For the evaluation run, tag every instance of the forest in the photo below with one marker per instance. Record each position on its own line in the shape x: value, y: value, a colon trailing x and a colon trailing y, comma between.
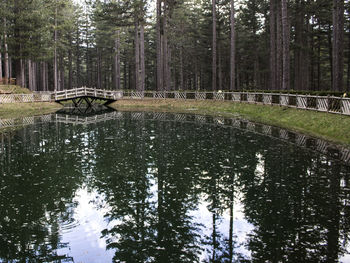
x: 301, y: 45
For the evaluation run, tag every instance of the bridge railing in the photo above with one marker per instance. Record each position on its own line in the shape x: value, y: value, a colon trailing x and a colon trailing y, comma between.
x: 330, y: 104
x: 84, y: 91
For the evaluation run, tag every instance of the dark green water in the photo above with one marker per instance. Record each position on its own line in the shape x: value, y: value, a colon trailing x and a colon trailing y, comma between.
x: 168, y: 191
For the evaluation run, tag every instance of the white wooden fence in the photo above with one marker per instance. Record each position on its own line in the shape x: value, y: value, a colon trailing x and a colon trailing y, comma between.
x: 330, y: 104
x: 25, y: 98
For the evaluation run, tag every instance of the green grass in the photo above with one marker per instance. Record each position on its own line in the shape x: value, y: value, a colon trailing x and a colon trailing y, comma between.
x: 13, y: 89
x: 331, y: 127
x: 18, y: 110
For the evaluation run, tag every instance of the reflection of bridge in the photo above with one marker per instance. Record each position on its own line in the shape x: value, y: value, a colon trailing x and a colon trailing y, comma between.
x: 301, y: 140
x: 87, y: 95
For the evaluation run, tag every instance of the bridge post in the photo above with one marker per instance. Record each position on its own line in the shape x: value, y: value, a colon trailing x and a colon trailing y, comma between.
x: 65, y: 92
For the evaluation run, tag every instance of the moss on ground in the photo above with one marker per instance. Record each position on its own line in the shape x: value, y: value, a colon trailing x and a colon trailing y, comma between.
x: 331, y: 127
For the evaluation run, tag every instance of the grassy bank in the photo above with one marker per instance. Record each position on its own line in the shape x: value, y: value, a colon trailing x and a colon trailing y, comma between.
x: 13, y: 89
x: 335, y: 128
x: 17, y: 110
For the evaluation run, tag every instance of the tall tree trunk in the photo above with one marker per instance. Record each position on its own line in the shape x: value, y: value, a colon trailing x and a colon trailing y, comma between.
x: 348, y: 76
x: 17, y: 46
x: 6, y: 58
x: 272, y: 45
x: 165, y: 49
x: 137, y: 55
x: 159, y: 47
x: 214, y: 46
x: 142, y: 56
x: 62, y: 76
x: 338, y: 44
x: 1, y: 80
x: 330, y: 52
x: 78, y: 67
x: 117, y: 61
x: 70, y: 63
x: 23, y: 73
x: 181, y: 69
x: 286, y: 42
x: 233, y: 47
x: 30, y: 75
x: 42, y: 76
x: 125, y: 80
x: 219, y: 66
x: 55, y: 80
x: 34, y: 68
x: 279, y: 48
x: 99, y: 77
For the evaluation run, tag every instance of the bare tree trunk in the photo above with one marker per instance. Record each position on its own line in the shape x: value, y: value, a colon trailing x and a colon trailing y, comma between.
x: 23, y: 74
x: 1, y: 80
x: 137, y: 56
x: 214, y: 46
x: 117, y: 62
x: 165, y: 50
x: 30, y: 75
x: 125, y: 75
x: 286, y: 41
x: 34, y: 69
x: 99, y: 84
x: 78, y: 68
x: 338, y: 44
x: 47, y: 76
x: 70, y: 64
x: 330, y: 52
x: 181, y: 69
x: 233, y: 47
x: 43, y: 81
x: 159, y: 47
x: 279, y: 51
x: 9, y: 69
x: 142, y: 56
x: 272, y: 45
x: 62, y: 77
x: 219, y: 67
x: 6, y: 55
x: 348, y: 76
x: 319, y: 61
x: 55, y: 53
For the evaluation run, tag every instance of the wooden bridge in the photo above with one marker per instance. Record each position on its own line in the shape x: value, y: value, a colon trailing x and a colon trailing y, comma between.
x: 88, y: 95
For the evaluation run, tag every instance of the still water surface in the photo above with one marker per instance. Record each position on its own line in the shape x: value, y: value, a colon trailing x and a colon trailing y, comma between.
x: 136, y: 190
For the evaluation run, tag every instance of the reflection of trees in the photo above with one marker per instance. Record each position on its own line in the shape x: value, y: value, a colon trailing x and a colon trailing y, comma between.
x: 295, y: 205
x: 35, y: 189
x: 150, y: 194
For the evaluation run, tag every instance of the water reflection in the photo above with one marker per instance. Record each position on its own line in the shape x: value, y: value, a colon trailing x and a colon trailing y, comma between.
x: 167, y: 191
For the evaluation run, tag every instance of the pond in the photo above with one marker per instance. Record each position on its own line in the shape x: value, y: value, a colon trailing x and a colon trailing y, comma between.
x: 155, y: 187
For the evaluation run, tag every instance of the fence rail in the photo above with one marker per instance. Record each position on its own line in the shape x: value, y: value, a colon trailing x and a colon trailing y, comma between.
x: 337, y: 105
x: 25, y: 98
x: 330, y: 104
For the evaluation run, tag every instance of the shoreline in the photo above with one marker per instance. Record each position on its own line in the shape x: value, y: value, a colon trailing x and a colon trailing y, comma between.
x: 330, y: 127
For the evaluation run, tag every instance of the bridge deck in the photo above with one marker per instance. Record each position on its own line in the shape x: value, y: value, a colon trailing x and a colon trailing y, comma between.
x: 84, y: 93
